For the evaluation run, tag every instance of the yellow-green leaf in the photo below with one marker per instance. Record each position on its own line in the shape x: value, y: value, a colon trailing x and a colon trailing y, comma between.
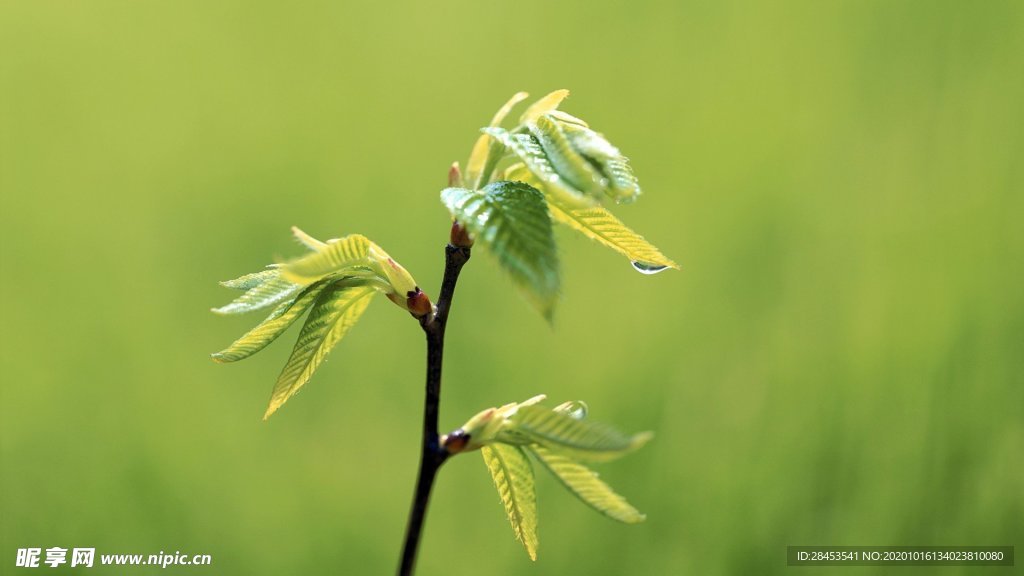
x: 250, y: 281
x: 268, y: 288
x: 273, y: 326
x: 336, y: 310
x: 565, y: 117
x: 546, y: 104
x: 307, y: 240
x: 530, y: 152
x: 620, y: 183
x: 586, y: 141
x: 512, y: 220
x: 602, y: 226
x: 578, y: 439
x: 398, y: 278
x: 487, y: 150
x: 570, y: 164
x: 585, y: 484
x: 349, y: 255
x: 513, y: 478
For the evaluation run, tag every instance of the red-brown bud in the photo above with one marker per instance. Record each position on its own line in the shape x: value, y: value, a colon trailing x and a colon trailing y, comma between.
x: 418, y: 303
x: 455, y: 442
x: 460, y: 237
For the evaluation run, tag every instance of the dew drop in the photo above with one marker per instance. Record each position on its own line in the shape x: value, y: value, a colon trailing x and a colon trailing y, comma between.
x: 576, y: 409
x: 644, y: 268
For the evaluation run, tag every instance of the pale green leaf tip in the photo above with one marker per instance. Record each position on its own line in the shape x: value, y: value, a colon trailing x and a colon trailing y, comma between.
x: 641, y: 438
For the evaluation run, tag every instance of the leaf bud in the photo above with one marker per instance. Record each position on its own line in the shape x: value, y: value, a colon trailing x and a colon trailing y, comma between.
x: 454, y: 175
x: 455, y: 442
x: 460, y: 237
x: 418, y: 303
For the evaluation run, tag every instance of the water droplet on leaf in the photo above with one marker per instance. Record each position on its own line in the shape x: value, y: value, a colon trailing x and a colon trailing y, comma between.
x: 645, y: 268
x: 576, y: 409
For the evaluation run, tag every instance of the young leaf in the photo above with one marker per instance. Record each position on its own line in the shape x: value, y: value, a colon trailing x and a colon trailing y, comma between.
x: 513, y: 477
x: 267, y: 331
x: 532, y: 154
x: 399, y: 280
x: 250, y: 281
x: 620, y: 183
x: 569, y: 163
x: 546, y: 104
x: 579, y: 439
x: 512, y: 220
x: 623, y: 186
x: 336, y: 310
x: 269, y: 291
x: 307, y: 240
x: 354, y: 257
x: 488, y: 151
x: 585, y: 484
x: 566, y: 118
x: 586, y: 141
x: 600, y: 225
x: 349, y: 254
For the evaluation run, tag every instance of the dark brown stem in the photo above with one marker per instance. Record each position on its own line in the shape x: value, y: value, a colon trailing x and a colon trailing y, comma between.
x: 432, y: 455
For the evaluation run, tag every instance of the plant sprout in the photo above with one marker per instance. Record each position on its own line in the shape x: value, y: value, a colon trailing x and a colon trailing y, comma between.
x: 551, y: 167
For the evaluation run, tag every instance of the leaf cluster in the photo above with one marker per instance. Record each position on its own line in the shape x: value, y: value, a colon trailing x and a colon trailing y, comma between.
x: 561, y: 440
x: 334, y: 282
x: 551, y: 167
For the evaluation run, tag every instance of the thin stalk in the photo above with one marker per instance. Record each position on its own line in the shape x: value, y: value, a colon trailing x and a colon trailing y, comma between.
x: 432, y: 455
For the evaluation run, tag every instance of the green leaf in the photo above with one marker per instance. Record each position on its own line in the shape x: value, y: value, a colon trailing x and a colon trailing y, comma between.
x: 349, y: 254
x: 353, y: 257
x: 620, y: 183
x: 494, y: 153
x: 270, y: 289
x: 585, y: 484
x: 335, y: 311
x: 250, y: 281
x: 307, y: 240
x: 399, y: 281
x: 602, y: 226
x: 546, y: 104
x: 267, y: 331
x: 529, y: 150
x: 623, y: 185
x: 488, y: 151
x: 566, y: 118
x: 567, y: 162
x: 586, y: 141
x: 578, y: 439
x: 513, y: 477
x: 512, y: 220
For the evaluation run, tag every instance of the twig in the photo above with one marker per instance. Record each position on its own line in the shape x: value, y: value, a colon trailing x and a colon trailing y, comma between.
x: 432, y: 455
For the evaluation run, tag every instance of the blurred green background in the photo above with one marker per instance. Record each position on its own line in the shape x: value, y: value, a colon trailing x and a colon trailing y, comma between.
x: 839, y: 361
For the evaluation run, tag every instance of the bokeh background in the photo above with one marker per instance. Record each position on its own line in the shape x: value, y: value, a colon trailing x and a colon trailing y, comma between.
x: 839, y: 361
